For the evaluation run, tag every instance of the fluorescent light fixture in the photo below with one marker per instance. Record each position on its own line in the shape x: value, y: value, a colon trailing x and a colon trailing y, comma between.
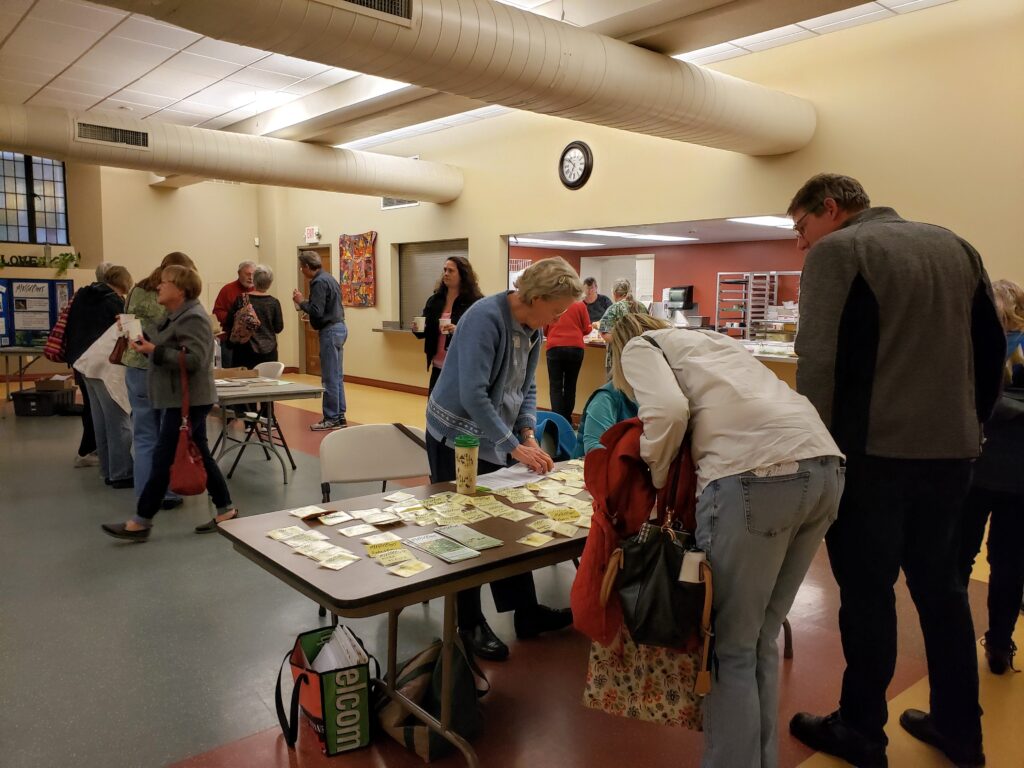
x: 632, y: 235
x: 782, y: 222
x: 559, y: 243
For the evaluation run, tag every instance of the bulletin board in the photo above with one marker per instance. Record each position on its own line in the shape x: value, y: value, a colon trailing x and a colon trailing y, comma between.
x: 30, y: 308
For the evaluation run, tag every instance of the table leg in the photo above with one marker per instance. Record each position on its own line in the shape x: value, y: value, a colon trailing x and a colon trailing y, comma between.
x: 438, y: 726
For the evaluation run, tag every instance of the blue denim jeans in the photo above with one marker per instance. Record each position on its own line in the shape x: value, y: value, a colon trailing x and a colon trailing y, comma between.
x: 332, y: 359
x: 145, y: 427
x: 760, y: 535
x: 113, y: 432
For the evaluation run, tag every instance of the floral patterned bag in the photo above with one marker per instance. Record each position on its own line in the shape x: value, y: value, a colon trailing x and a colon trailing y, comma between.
x: 644, y: 682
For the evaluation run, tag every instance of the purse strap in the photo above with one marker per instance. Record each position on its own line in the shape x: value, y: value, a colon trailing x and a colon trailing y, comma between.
x: 702, y: 687
x: 184, y: 389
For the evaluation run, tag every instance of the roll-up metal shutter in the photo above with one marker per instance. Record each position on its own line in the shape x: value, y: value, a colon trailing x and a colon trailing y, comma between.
x: 419, y: 269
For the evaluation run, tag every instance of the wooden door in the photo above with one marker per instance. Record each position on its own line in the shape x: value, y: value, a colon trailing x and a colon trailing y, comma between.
x: 310, y: 339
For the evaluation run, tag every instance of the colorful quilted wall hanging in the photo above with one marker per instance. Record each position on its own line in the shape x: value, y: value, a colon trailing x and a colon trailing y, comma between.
x: 358, y: 274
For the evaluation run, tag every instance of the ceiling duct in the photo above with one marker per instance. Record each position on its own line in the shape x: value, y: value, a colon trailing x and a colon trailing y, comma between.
x: 499, y: 54
x: 175, y: 149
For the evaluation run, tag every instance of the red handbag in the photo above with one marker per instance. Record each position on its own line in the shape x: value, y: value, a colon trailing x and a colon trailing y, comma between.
x: 188, y: 475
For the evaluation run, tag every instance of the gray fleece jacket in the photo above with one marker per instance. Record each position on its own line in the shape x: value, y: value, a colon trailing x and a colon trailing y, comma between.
x: 187, y: 327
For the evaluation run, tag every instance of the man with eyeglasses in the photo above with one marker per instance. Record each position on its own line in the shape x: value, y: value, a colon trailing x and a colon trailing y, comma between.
x: 900, y: 350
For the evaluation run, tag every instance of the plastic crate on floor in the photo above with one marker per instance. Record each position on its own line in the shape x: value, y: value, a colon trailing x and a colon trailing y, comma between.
x: 32, y: 402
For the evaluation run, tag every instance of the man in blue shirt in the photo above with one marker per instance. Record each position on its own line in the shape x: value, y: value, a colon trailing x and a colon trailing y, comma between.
x: 327, y: 316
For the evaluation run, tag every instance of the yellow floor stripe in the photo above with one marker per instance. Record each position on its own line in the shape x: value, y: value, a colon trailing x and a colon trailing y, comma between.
x: 1002, y: 699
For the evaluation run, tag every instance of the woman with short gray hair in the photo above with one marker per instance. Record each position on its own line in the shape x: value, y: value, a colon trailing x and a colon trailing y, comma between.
x: 261, y: 344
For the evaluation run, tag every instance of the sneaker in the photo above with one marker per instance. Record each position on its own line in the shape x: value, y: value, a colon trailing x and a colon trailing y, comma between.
x: 328, y: 424
x: 89, y: 460
x: 921, y: 726
x: 341, y: 421
x: 832, y: 735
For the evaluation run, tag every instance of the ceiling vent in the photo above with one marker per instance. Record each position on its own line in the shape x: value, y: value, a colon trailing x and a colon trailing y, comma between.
x: 399, y: 11
x: 396, y: 202
x: 104, y: 134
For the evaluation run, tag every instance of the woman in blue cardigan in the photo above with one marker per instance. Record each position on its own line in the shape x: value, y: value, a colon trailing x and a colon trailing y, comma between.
x: 487, y: 389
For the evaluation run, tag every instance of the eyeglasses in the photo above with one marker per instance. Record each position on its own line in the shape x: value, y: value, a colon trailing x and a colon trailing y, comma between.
x: 798, y: 225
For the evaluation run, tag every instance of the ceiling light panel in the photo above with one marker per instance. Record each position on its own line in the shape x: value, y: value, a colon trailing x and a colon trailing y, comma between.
x: 903, y: 6
x: 633, y: 235
x: 781, y: 222
x: 712, y: 53
x: 555, y: 243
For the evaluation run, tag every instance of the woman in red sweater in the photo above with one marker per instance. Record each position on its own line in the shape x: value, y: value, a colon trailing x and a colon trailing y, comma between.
x: 565, y: 357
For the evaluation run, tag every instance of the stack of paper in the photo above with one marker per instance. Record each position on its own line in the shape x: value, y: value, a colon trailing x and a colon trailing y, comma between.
x: 340, y: 652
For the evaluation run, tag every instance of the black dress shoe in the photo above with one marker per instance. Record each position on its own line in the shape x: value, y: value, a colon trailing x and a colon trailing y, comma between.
x: 530, y: 622
x: 831, y: 735
x: 920, y: 725
x: 483, y: 643
x: 172, y: 503
x: 119, y: 531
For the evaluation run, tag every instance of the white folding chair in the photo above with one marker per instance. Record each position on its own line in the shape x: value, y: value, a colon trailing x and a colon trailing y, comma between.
x: 372, y: 452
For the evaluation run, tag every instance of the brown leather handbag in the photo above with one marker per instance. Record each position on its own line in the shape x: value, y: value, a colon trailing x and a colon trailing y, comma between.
x: 188, y: 475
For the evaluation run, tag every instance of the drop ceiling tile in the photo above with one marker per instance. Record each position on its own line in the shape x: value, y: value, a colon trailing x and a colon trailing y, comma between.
x: 218, y: 49
x: 83, y: 15
x: 775, y: 42
x: 29, y: 68
x: 173, y: 83
x: 269, y: 80
x: 61, y: 42
x: 129, y: 58
x: 14, y: 92
x: 228, y: 95
x: 316, y: 83
x: 859, y: 14
x: 156, y: 33
x: 112, y: 79
x: 8, y: 21
x: 68, y: 82
x: 177, y: 117
x: 131, y: 107
x: 218, y: 122
x: 197, y: 108
x: 133, y: 96
x: 202, y: 65
x: 54, y: 97
x: 771, y: 34
x: 903, y: 6
x: 286, y: 65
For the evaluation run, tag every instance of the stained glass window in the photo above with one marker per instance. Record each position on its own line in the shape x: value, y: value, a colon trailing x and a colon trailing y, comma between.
x: 39, y: 217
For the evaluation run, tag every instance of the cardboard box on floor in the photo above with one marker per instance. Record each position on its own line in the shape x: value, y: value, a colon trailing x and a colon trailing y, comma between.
x: 57, y: 383
x: 234, y: 373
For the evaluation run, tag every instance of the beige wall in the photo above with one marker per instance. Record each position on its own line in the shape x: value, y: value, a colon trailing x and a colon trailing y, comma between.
x: 926, y: 109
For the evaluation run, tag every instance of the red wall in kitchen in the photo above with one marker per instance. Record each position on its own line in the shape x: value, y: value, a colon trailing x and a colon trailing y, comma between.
x: 697, y: 264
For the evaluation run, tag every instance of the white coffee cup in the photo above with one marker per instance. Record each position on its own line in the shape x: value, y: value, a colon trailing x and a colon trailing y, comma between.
x: 446, y: 326
x: 419, y: 323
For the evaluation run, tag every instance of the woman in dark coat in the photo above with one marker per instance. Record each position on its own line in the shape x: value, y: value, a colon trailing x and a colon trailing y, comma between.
x: 456, y: 293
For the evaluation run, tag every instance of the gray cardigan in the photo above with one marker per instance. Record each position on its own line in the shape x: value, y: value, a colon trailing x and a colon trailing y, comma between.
x: 900, y: 348
x: 187, y: 327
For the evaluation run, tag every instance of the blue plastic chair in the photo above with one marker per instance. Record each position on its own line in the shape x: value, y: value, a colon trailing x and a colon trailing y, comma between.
x: 555, y: 435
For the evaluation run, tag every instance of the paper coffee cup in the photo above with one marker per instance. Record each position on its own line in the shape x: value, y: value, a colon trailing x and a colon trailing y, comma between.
x: 467, y: 449
x: 419, y: 323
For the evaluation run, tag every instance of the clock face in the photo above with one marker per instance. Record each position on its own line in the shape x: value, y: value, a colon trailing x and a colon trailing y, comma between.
x: 575, y: 165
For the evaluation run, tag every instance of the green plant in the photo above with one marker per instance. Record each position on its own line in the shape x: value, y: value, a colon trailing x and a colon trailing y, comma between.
x: 65, y: 261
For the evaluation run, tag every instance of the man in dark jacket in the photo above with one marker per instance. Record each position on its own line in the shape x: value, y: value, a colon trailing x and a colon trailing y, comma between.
x: 327, y: 317
x: 94, y: 309
x: 901, y: 352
